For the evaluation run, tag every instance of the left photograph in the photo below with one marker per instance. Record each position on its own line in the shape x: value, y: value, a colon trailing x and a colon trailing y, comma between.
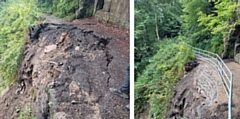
x: 66, y: 59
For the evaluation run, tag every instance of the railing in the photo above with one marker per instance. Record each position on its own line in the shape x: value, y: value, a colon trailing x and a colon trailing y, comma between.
x: 221, y: 68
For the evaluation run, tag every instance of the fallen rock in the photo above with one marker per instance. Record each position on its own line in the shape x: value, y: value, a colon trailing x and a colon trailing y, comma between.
x: 190, y: 65
x: 74, y: 102
x: 50, y: 48
x: 77, y: 48
x: 73, y: 87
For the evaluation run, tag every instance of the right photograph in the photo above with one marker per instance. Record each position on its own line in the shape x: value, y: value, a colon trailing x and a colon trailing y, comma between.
x: 186, y: 59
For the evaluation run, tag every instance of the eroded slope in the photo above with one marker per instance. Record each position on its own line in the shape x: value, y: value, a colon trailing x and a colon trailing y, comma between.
x: 67, y: 71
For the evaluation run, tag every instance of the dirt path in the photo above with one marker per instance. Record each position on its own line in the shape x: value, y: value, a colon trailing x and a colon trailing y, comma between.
x: 68, y: 71
x: 235, y: 68
x: 221, y: 110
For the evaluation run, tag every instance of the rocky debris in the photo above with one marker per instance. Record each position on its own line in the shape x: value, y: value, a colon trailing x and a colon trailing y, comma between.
x: 195, y: 94
x: 73, y: 73
x: 72, y: 76
x: 190, y: 65
x: 50, y: 48
x: 73, y: 88
x: 34, y: 31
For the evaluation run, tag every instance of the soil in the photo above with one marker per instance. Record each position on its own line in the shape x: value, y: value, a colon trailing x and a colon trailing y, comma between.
x: 200, y: 94
x: 235, y: 69
x: 67, y: 71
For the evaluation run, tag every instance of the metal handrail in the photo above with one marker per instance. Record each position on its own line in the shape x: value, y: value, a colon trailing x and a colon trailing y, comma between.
x: 221, y: 68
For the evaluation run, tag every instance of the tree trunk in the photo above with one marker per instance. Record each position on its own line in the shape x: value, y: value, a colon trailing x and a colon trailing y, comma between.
x: 156, y: 27
x: 95, y: 6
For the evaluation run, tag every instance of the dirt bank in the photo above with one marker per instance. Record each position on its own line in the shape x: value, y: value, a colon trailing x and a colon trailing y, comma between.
x: 68, y: 70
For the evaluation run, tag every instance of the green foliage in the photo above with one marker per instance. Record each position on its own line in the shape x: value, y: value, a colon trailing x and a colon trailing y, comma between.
x: 221, y: 22
x: 207, y: 23
x: 153, y: 21
x: 15, y: 17
x: 60, y: 8
x: 201, y: 23
x: 190, y: 25
x: 89, y: 12
x: 26, y: 113
x: 156, y: 84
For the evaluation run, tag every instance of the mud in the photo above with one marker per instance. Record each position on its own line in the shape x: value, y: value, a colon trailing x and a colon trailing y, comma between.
x: 67, y: 71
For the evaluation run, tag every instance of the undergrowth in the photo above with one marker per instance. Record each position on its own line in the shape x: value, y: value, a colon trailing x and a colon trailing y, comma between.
x: 154, y: 87
x: 15, y: 18
x: 26, y: 113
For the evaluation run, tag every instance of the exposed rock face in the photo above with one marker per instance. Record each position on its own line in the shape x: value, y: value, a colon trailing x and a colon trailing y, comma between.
x: 85, y: 8
x: 195, y: 94
x: 232, y: 45
x: 115, y: 11
x: 111, y: 11
x: 237, y: 57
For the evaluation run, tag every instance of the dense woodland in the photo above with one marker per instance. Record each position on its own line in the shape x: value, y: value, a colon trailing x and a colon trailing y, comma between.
x: 162, y: 28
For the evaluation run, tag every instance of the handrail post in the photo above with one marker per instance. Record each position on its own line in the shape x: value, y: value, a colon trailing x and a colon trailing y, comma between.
x: 230, y: 99
x: 221, y: 64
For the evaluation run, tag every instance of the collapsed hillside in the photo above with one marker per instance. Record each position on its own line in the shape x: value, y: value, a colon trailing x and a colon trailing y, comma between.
x: 66, y: 72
